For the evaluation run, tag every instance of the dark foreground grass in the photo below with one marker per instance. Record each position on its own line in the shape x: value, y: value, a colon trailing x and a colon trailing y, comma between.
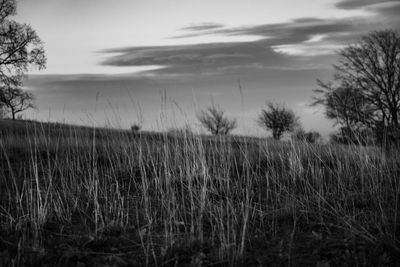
x: 75, y: 196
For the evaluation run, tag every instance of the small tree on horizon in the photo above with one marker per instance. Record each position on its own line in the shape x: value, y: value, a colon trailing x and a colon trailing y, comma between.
x: 135, y: 128
x: 278, y: 119
x: 16, y: 100
x: 214, y: 121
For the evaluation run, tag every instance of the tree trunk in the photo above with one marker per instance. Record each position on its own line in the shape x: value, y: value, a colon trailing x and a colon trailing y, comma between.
x: 13, y: 114
x: 277, y: 135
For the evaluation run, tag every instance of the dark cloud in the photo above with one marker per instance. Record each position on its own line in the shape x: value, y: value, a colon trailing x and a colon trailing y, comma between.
x: 202, y: 27
x: 301, y: 43
x: 197, y: 29
x: 388, y: 15
x: 296, y: 31
x: 386, y: 11
x: 356, y: 4
x: 217, y: 58
x: 201, y: 58
x: 299, y: 27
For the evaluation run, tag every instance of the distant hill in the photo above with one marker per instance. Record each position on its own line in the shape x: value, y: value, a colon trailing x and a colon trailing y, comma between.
x: 8, y: 126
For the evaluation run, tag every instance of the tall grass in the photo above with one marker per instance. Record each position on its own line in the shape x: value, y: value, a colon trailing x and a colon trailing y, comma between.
x: 185, y: 199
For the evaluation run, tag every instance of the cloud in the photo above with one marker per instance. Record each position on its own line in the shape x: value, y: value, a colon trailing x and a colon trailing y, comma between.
x: 197, y: 30
x: 281, y: 46
x: 307, y: 49
x: 301, y: 43
x: 204, y: 59
x: 296, y: 31
x: 386, y: 12
x: 357, y: 4
x: 202, y: 27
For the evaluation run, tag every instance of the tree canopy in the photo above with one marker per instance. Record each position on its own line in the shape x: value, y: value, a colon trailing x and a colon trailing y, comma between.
x: 20, y: 46
x: 278, y: 119
x: 214, y: 121
x: 365, y: 90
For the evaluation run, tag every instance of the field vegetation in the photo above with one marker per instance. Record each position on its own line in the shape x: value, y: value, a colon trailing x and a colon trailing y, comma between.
x: 81, y: 196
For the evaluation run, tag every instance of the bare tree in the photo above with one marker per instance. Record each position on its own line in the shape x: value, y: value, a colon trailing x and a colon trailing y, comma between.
x: 348, y: 107
x: 16, y: 100
x: 369, y: 72
x: 278, y: 119
x: 344, y: 104
x: 215, y: 121
x: 20, y: 46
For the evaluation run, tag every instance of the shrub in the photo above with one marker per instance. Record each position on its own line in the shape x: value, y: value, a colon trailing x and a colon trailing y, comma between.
x: 214, y: 121
x: 136, y: 128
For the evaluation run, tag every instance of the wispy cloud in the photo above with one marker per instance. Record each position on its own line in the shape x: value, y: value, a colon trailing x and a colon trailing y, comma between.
x: 281, y: 46
x: 199, y: 59
x: 202, y: 27
x: 299, y: 43
x: 385, y: 12
x: 356, y: 4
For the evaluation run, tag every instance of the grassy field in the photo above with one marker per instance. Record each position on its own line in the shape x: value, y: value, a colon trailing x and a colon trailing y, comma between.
x: 78, y: 196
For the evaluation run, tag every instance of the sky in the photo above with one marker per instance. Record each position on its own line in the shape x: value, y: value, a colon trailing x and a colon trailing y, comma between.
x: 159, y: 62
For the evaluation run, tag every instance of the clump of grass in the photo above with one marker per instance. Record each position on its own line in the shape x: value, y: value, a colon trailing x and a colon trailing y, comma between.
x: 71, y: 195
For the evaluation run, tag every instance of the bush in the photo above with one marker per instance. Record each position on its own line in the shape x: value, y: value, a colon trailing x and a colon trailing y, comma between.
x: 303, y: 136
x: 136, y: 128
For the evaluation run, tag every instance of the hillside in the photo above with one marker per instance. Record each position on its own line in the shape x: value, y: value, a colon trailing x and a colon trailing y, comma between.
x: 78, y: 196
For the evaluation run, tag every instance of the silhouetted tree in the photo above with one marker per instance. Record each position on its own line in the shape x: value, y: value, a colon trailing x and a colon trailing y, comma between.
x: 344, y: 104
x: 136, y: 128
x: 365, y: 91
x: 20, y: 46
x: 278, y: 119
x: 215, y: 121
x: 16, y: 100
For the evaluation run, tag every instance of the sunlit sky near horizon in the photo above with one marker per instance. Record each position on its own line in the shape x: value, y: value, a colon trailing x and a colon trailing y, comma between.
x: 113, y: 62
